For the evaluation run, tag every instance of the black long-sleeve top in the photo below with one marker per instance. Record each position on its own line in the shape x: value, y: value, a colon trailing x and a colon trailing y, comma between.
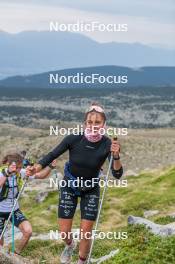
x: 86, y: 158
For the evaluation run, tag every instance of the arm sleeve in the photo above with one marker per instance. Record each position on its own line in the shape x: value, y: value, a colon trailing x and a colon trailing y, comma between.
x: 116, y: 173
x: 56, y: 152
x: 1, y: 176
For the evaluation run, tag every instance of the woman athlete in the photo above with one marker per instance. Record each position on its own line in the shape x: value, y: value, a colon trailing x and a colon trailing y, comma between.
x: 87, y: 153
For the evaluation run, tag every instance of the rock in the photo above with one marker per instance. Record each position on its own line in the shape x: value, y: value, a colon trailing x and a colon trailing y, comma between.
x: 161, y: 230
x: 130, y: 173
x: 4, y: 259
x: 106, y: 257
x: 172, y: 215
x: 8, y: 234
x: 42, y: 237
x: 150, y: 213
x: 41, y: 196
x: 10, y: 259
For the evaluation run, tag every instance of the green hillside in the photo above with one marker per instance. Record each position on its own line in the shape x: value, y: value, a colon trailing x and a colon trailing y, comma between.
x: 148, y: 191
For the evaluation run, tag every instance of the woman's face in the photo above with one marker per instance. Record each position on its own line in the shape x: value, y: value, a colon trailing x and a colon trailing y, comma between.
x: 94, y: 121
x: 15, y: 167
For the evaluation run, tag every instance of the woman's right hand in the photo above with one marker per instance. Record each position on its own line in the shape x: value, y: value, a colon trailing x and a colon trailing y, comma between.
x: 31, y: 170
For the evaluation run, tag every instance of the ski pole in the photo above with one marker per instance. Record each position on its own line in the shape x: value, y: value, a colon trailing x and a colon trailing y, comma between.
x: 15, y: 203
x: 101, y: 203
x: 13, y: 216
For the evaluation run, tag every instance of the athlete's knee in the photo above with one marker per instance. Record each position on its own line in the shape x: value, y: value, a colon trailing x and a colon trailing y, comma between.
x: 27, y: 230
x: 86, y: 232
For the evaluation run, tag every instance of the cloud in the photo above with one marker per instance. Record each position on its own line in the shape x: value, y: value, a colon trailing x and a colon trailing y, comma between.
x: 157, y: 9
x: 19, y: 16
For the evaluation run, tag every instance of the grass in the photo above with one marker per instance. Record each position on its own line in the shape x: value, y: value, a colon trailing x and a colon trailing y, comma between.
x: 141, y: 247
x: 148, y: 191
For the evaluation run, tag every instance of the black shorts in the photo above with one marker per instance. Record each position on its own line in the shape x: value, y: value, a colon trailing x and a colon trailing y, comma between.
x: 89, y: 201
x: 18, y: 219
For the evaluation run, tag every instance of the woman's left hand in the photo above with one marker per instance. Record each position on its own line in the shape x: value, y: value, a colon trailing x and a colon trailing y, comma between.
x: 115, y: 148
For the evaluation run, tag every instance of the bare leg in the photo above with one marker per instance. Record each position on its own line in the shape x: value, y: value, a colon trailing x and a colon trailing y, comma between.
x: 65, y: 226
x: 26, y: 229
x: 85, y: 243
x: 2, y: 242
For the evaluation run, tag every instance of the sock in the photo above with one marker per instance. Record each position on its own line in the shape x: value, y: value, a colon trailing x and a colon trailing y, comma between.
x: 70, y: 243
x: 81, y: 260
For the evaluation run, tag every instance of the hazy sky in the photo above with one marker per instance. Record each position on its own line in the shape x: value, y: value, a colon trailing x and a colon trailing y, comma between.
x: 149, y: 21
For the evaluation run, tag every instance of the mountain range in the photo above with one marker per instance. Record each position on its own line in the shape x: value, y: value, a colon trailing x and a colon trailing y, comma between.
x: 32, y: 52
x: 140, y: 77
